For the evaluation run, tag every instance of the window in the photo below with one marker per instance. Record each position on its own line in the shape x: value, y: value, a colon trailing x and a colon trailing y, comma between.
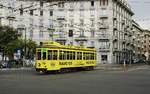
x: 61, y: 55
x: 44, y: 55
x: 81, y: 12
x: 92, y: 33
x: 31, y: 33
x: 61, y: 4
x: 84, y: 56
x: 54, y: 54
x: 79, y: 55
x: 81, y: 22
x: 21, y: 11
x: 71, y: 22
x: 73, y: 56
x: 104, y: 57
x: 49, y: 54
x: 51, y: 13
x: 67, y: 54
x: 92, y: 22
x: 70, y: 55
x: 38, y: 55
x: 104, y: 45
x: 92, y: 3
x: 41, y: 3
x: 70, y: 33
x: 41, y: 34
x: 104, y: 11
x: 31, y: 12
x: 41, y: 13
x: 103, y: 2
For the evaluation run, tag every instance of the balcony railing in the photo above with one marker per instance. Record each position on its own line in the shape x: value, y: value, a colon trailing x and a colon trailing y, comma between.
x: 104, y: 49
x: 103, y: 37
x: 81, y: 38
x: 115, y: 38
x: 104, y: 26
x: 61, y: 39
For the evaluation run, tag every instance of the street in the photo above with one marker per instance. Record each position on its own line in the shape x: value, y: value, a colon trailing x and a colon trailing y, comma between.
x: 84, y: 82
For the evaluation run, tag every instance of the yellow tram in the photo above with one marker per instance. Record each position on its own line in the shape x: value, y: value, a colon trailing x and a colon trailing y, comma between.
x: 52, y: 56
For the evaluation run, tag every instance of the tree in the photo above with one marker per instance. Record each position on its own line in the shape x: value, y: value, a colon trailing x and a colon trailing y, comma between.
x: 11, y: 48
x: 30, y: 49
x: 9, y: 40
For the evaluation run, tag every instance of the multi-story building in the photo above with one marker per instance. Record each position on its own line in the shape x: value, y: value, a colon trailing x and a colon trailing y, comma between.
x: 146, y: 44
x: 103, y: 24
x: 137, y: 39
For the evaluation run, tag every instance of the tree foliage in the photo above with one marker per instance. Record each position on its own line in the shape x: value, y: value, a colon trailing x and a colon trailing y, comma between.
x: 10, y: 42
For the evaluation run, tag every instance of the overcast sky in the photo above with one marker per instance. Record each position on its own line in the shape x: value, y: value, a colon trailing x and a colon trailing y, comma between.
x: 141, y: 8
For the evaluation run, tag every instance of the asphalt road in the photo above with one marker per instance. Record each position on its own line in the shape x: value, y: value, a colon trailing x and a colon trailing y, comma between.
x: 84, y: 82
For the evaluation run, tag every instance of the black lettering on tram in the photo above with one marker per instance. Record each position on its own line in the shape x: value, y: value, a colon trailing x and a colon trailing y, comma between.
x: 65, y: 63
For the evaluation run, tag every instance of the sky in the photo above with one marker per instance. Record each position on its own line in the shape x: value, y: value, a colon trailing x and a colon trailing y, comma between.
x: 141, y: 8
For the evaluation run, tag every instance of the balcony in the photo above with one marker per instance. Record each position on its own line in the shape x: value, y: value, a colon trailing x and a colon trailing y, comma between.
x: 116, y: 49
x: 123, y: 41
x: 123, y: 22
x: 103, y: 26
x: 61, y: 39
x: 104, y: 49
x: 103, y: 37
x: 115, y: 38
x: 103, y: 16
x: 115, y: 27
x: 114, y: 18
x: 81, y: 38
x: 61, y: 18
x: 10, y: 17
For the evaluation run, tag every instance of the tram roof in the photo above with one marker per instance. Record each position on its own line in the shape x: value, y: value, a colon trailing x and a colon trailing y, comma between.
x: 53, y: 44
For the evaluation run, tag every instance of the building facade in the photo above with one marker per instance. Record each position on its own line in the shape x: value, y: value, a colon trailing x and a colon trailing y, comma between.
x: 146, y: 44
x: 103, y: 24
x: 138, y: 41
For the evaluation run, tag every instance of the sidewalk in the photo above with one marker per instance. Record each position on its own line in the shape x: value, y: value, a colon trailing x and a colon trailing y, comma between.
x: 121, y: 67
x: 22, y: 68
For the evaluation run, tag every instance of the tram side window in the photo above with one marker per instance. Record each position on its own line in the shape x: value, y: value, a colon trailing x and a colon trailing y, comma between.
x: 67, y: 55
x: 74, y: 56
x: 84, y: 56
x: 92, y: 56
x: 80, y: 55
x: 38, y: 55
x: 44, y: 55
x: 61, y: 55
x: 49, y: 54
x: 54, y: 54
x: 70, y: 55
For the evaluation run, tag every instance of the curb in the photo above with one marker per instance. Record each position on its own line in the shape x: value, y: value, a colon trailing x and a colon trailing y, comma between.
x: 12, y: 69
x: 121, y: 68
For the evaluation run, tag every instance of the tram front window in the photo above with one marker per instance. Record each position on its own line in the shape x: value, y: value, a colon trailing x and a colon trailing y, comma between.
x: 38, y: 55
